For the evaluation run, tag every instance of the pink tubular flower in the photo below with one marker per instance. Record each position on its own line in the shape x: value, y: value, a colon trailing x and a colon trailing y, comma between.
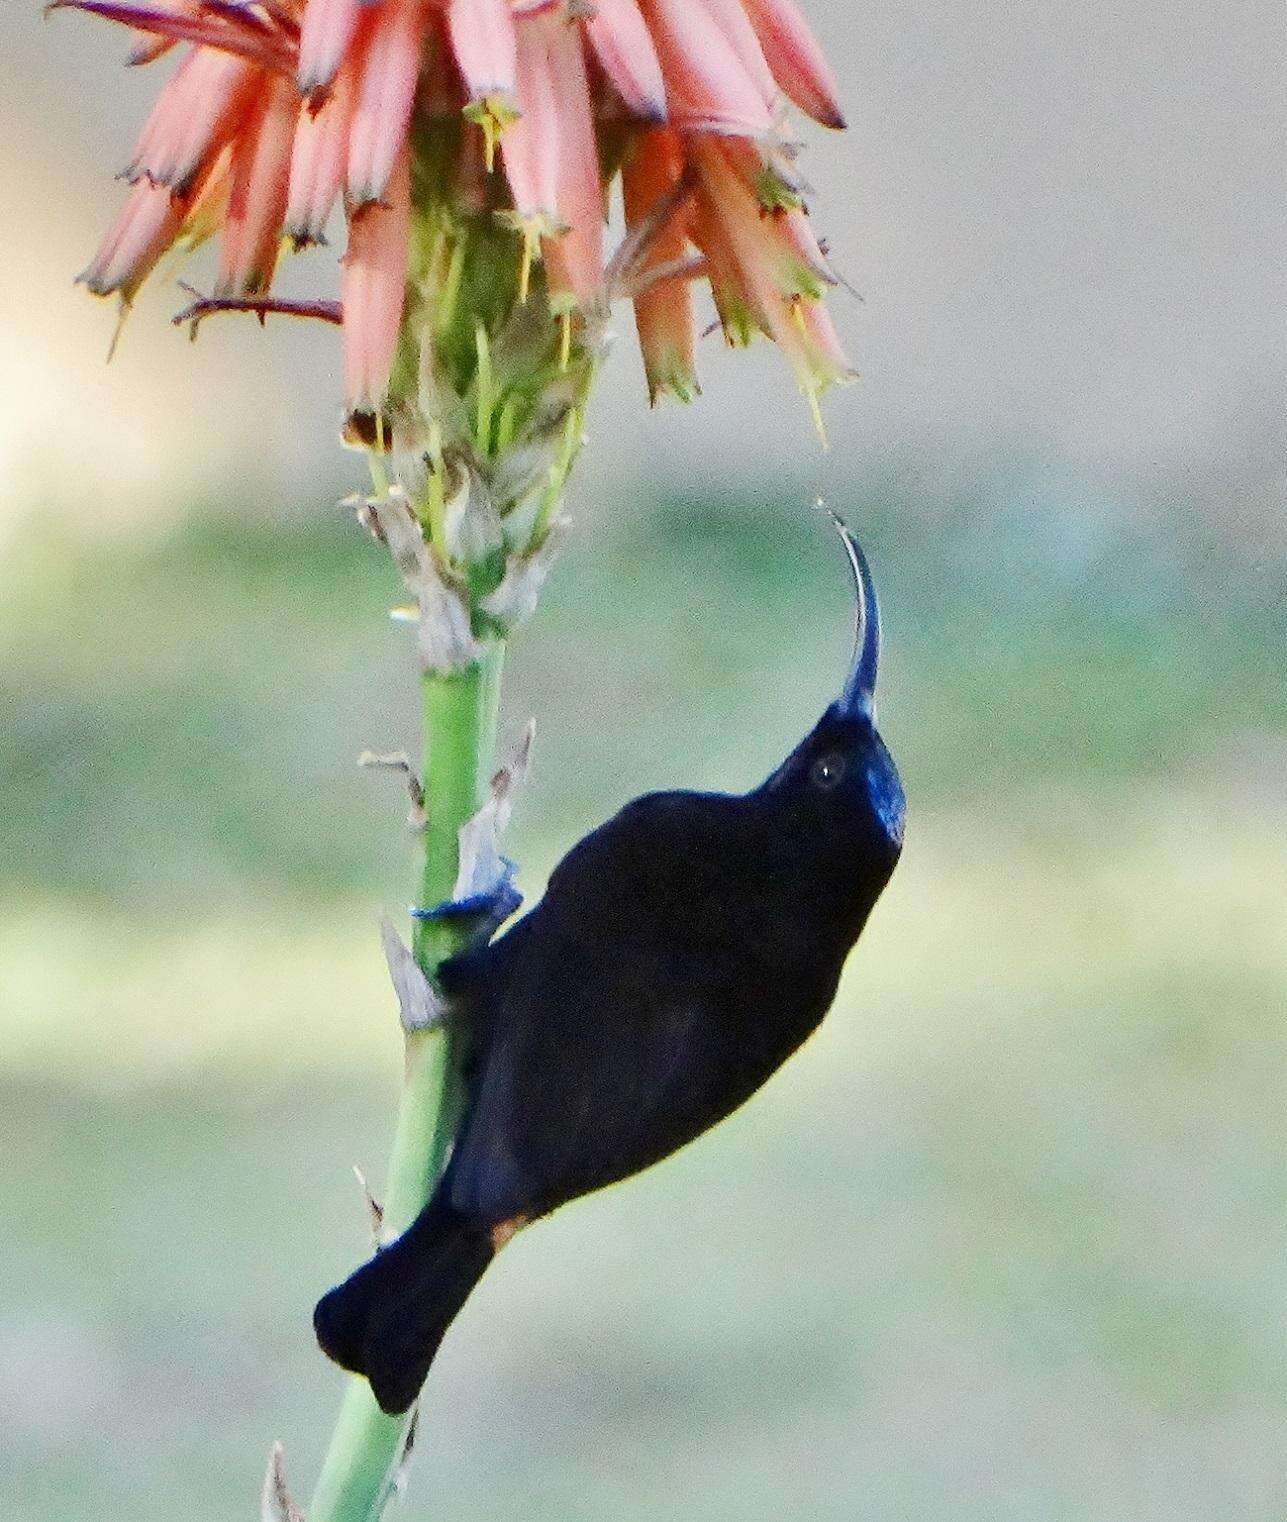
x: 386, y: 92
x: 319, y: 158
x: 201, y: 109
x: 279, y: 108
x: 325, y: 34
x: 625, y: 50
x: 261, y: 160
x: 663, y: 303
x: 482, y: 34
x: 374, y: 286
x: 147, y: 47
x: 148, y: 224
x: 795, y: 60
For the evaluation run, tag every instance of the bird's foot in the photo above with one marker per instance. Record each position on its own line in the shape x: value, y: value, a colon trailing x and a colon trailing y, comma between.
x: 484, y: 895
x: 479, y: 915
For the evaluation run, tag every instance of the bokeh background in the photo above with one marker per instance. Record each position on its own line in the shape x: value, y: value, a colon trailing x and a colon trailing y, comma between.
x: 1008, y: 1240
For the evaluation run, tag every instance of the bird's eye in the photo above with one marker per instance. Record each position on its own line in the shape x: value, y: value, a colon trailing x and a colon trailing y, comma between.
x: 827, y: 771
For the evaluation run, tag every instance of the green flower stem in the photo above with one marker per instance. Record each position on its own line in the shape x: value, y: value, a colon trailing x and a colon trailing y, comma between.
x: 460, y: 714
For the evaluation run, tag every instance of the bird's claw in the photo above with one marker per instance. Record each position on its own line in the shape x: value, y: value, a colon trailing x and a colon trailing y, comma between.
x: 480, y: 915
x: 484, y: 895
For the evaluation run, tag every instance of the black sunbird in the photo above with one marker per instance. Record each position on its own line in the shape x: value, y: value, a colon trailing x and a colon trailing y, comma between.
x: 681, y: 953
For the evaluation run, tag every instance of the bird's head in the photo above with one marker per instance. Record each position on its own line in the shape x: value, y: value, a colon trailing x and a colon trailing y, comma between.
x: 840, y: 783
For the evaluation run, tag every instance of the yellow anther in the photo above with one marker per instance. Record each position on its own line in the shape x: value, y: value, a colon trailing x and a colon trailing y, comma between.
x: 816, y: 413
x: 525, y: 263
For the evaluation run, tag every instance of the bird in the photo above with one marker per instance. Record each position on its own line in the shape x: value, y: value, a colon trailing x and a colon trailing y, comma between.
x: 681, y: 953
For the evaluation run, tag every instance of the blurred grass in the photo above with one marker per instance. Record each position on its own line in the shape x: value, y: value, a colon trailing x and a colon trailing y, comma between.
x: 1007, y: 1241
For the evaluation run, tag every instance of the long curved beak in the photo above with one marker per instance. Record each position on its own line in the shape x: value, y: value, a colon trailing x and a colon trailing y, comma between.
x: 857, y: 700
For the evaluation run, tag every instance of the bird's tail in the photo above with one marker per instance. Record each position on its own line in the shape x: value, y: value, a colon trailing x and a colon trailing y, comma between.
x: 387, y: 1320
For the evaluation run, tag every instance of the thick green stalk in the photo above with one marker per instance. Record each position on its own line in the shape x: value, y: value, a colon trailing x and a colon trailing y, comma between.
x: 460, y: 713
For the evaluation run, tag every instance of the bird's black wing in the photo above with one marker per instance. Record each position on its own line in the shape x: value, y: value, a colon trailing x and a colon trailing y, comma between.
x: 610, y: 1040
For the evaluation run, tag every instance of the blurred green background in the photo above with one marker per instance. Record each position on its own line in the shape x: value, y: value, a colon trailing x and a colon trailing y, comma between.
x: 1008, y: 1240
